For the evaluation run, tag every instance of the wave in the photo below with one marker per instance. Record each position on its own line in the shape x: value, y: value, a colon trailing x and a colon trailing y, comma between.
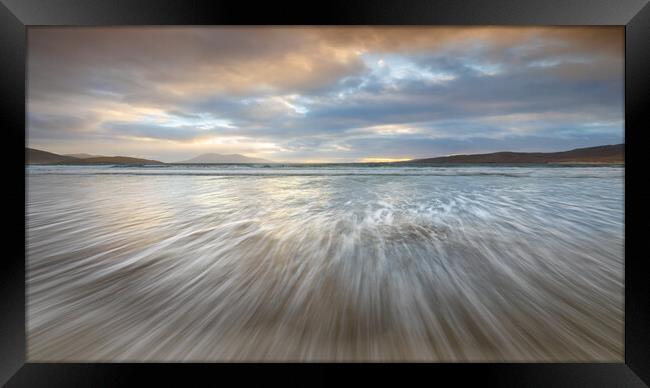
x: 324, y: 268
x: 284, y: 171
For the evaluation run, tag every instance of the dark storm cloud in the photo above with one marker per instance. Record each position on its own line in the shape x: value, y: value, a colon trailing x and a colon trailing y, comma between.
x: 326, y: 93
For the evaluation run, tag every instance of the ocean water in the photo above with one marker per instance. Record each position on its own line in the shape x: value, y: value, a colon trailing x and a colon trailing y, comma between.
x: 325, y: 263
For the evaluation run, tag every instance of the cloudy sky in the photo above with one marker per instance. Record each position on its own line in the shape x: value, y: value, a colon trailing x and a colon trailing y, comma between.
x: 323, y: 94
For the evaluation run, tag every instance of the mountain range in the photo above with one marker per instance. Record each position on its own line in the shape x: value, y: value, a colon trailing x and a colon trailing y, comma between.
x: 601, y: 154
x: 220, y: 158
x: 34, y: 156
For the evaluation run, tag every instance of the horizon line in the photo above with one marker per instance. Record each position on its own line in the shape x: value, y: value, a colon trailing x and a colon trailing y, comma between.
x: 368, y: 160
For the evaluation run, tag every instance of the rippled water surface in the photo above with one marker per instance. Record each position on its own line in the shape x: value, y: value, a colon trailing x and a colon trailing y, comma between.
x: 192, y: 263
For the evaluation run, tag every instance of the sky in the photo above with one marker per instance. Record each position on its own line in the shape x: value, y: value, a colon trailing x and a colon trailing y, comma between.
x: 323, y: 94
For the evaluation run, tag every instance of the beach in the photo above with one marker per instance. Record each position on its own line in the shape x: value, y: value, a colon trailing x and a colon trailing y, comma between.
x: 325, y: 263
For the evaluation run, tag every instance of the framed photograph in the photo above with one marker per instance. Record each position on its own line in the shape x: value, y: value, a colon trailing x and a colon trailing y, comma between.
x: 447, y: 188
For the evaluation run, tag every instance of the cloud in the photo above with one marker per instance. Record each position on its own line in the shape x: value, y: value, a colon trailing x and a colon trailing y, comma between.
x: 327, y: 93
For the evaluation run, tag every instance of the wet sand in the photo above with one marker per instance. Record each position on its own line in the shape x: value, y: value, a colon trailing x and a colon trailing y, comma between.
x: 500, y: 265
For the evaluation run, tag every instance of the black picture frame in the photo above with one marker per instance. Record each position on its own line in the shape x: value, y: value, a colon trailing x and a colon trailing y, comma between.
x: 17, y: 15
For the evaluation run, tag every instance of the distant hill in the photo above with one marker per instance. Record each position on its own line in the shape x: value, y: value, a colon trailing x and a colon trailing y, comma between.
x: 219, y: 158
x: 34, y: 156
x: 82, y: 156
x: 600, y: 154
x: 117, y: 160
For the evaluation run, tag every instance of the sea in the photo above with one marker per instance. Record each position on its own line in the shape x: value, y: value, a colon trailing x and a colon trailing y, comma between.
x: 299, y: 262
